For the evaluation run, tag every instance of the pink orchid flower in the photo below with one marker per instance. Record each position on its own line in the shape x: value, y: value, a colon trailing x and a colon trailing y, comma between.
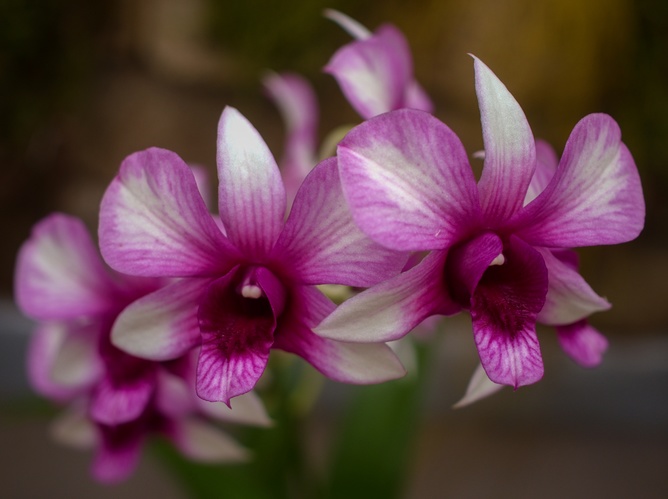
x: 410, y: 187
x: 375, y: 72
x: 296, y: 101
x: 247, y: 288
x: 118, y: 399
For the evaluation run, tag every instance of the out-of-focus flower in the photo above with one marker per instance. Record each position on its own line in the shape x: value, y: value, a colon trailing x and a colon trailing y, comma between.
x: 410, y: 187
x: 118, y: 399
x: 296, y: 100
x: 375, y: 72
x: 251, y: 287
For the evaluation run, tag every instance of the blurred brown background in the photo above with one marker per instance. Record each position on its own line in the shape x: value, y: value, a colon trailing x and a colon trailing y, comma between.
x: 84, y: 84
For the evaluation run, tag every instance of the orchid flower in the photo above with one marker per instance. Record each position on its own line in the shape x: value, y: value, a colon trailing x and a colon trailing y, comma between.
x: 250, y: 287
x: 118, y: 399
x: 410, y: 188
x: 375, y: 72
x: 296, y: 100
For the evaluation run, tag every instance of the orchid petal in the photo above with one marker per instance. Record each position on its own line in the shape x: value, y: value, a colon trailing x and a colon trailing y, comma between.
x: 297, y: 102
x: 63, y: 360
x: 416, y: 98
x: 175, y: 395
x: 373, y: 72
x: 504, y: 307
x: 546, y: 165
x: 510, y: 153
x: 59, y: 273
x: 595, y: 196
x: 119, y: 452
x: 408, y: 181
x: 74, y: 429
x: 391, y: 309
x: 478, y: 388
x: 352, y: 27
x: 237, y: 334
x: 324, y: 245
x: 113, y: 404
x: 162, y: 325
x: 204, y: 442
x: 203, y: 185
x: 583, y: 343
x: 358, y: 363
x: 153, y: 221
x: 569, y: 298
x: 251, y: 196
x: 246, y: 409
x: 467, y: 263
x: 126, y: 388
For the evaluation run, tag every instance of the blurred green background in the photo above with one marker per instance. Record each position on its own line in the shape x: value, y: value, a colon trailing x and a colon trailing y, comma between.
x: 84, y: 84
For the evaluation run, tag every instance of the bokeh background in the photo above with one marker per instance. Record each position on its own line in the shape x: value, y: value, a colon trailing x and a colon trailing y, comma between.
x: 84, y: 84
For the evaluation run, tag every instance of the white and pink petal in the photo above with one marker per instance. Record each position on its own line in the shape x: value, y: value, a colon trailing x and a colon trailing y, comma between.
x: 510, y: 152
x: 154, y: 222
x: 59, y: 272
x: 595, y: 196
x: 203, y: 442
x: 251, y: 195
x: 323, y: 245
x: 373, y: 72
x: 408, y: 181
x: 357, y: 363
x: 391, y: 309
x: 162, y: 325
x: 569, y: 297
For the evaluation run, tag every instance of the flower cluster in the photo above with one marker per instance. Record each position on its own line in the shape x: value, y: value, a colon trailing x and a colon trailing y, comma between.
x: 186, y: 321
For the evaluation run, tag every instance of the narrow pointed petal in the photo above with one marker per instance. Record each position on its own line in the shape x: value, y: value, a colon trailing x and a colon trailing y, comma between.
x: 153, y: 221
x: 546, y: 165
x: 352, y: 27
x: 162, y: 325
x: 569, y: 297
x: 246, y: 409
x: 479, y: 388
x: 373, y: 73
x: 583, y: 343
x: 408, y: 181
x: 357, y: 363
x: 74, y: 429
x: 391, y: 309
x: 204, y: 442
x: 510, y: 152
x: 595, y: 196
x: 296, y: 100
x: 237, y: 334
x: 324, y: 245
x: 251, y: 196
x: 504, y: 307
x: 59, y: 273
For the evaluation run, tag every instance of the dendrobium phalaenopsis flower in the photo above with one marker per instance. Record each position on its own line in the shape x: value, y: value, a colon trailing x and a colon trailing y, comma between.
x: 116, y: 400
x: 375, y: 72
x: 296, y: 100
x: 247, y: 282
x: 408, y: 181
